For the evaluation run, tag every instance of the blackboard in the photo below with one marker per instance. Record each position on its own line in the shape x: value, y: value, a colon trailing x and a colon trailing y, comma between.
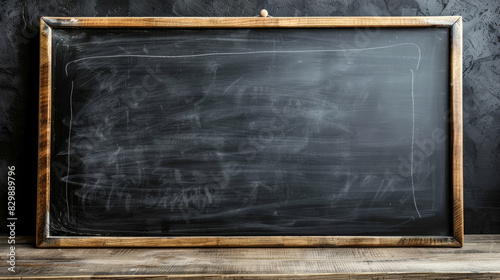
x: 230, y: 134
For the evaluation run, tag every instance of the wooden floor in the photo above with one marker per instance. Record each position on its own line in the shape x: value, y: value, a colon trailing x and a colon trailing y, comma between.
x: 478, y: 259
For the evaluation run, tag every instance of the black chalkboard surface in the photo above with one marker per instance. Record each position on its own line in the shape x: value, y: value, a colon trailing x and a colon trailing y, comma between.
x: 247, y: 132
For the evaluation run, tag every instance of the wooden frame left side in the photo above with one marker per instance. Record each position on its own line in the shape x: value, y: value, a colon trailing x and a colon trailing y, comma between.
x: 44, y: 132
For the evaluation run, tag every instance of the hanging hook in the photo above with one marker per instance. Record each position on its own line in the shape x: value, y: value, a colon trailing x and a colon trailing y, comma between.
x: 264, y: 13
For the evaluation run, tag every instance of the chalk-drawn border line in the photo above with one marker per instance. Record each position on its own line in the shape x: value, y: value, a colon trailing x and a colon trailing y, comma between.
x: 271, y: 52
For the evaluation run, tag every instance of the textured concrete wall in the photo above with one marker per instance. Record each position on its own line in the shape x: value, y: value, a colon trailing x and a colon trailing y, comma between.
x: 19, y: 81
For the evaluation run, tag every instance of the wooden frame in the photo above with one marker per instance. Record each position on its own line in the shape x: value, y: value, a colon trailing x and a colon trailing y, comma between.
x: 44, y: 239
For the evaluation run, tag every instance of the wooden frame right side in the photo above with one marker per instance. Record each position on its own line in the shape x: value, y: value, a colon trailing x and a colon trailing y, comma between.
x: 456, y: 129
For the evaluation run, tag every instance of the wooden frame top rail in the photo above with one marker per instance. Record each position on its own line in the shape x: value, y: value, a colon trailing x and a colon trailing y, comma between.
x: 249, y: 22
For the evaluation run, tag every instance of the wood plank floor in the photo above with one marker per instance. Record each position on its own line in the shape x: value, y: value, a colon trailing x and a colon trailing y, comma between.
x: 478, y: 259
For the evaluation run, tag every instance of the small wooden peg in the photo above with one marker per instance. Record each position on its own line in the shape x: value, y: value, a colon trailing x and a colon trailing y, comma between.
x: 264, y: 13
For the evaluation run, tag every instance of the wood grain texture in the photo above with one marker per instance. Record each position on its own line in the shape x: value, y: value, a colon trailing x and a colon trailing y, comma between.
x: 47, y: 23
x: 254, y: 22
x: 45, y: 102
x: 326, y: 276
x: 252, y: 241
x: 457, y: 129
x: 478, y: 259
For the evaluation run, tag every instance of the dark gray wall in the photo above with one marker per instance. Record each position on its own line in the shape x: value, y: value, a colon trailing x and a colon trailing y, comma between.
x: 19, y: 82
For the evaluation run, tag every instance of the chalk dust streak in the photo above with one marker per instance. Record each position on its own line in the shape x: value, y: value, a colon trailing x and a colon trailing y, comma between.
x: 413, y: 142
